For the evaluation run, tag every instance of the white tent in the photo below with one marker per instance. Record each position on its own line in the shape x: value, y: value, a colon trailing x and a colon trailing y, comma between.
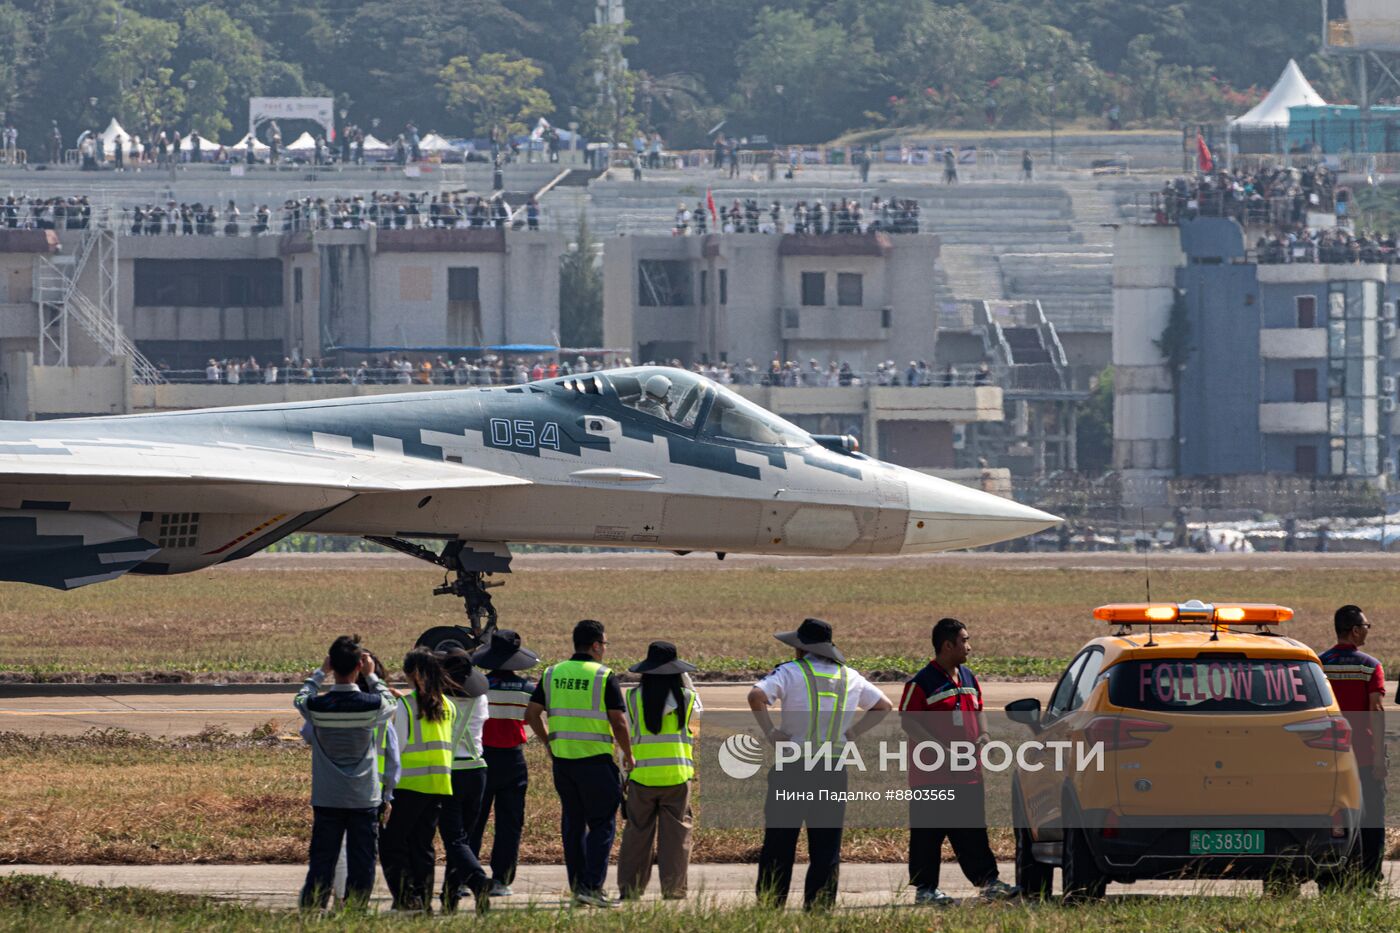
x: 435, y: 143
x: 113, y: 130
x: 303, y: 143
x: 205, y: 144
x: 375, y: 145
x: 1290, y: 90
x: 258, y: 145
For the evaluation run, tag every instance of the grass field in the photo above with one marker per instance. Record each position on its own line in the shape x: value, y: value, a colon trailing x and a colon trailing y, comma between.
x: 1024, y: 622
x: 29, y: 903
x: 116, y: 798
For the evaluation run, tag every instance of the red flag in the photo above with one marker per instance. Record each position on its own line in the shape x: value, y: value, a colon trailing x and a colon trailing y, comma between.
x: 1203, y: 159
x: 710, y: 203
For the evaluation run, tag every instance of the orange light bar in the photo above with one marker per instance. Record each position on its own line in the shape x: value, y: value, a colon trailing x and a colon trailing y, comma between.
x: 1193, y: 612
x: 1136, y: 612
x: 1253, y: 613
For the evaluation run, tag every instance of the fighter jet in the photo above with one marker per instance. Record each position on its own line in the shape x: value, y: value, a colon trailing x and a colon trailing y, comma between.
x: 646, y: 457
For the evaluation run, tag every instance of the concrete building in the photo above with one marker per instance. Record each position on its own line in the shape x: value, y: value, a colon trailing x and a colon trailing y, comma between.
x: 860, y: 298
x: 1282, y: 369
x: 76, y: 298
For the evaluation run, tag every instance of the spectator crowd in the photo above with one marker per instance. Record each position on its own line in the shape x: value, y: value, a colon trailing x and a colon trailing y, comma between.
x: 846, y: 216
x: 497, y: 370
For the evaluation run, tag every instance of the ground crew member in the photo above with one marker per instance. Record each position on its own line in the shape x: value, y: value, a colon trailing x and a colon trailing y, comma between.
x: 586, y: 717
x: 1359, y: 684
x: 466, y: 691
x: 664, y: 714
x: 425, y: 722
x: 503, y: 740
x: 942, y: 703
x: 819, y: 695
x: 345, y: 792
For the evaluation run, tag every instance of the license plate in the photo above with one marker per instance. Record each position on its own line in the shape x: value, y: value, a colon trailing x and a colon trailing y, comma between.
x: 1227, y: 842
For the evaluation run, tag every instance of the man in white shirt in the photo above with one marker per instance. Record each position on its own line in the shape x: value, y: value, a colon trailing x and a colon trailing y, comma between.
x: 819, y: 696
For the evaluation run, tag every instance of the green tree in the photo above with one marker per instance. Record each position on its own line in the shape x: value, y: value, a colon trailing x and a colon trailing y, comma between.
x: 134, y: 59
x: 499, y: 92
x: 606, y: 87
x: 1094, y: 426
x: 16, y: 54
x: 824, y: 75
x: 207, y: 99
x: 581, y: 291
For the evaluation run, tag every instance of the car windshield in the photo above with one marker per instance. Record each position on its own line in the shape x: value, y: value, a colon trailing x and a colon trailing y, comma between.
x: 735, y: 418
x: 672, y: 395
x: 1224, y: 684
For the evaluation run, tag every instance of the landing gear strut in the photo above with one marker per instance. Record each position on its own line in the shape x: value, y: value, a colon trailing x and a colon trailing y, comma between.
x: 469, y: 564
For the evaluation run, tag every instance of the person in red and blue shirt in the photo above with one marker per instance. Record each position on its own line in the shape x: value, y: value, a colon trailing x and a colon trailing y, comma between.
x: 1358, y: 681
x: 942, y: 703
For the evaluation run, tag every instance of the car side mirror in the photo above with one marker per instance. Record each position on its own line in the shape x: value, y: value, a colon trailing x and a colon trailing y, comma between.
x: 1026, y: 712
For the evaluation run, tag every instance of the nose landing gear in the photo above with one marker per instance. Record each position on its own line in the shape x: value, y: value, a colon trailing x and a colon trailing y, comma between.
x: 469, y: 564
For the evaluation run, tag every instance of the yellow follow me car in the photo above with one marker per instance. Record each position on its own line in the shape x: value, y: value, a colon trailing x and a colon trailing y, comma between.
x: 1225, y: 755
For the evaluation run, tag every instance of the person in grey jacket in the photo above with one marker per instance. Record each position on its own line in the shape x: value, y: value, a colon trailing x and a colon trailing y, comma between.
x: 345, y: 782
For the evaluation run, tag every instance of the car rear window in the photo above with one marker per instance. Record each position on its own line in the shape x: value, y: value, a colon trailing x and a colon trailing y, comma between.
x: 1220, y: 684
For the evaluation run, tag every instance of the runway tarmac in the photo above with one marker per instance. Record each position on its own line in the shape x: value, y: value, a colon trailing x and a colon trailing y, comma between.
x: 863, y: 886
x: 168, y: 712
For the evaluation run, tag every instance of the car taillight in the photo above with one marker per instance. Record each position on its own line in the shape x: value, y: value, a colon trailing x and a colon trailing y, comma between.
x: 1119, y: 732
x: 1339, y: 825
x: 1109, y: 830
x: 1332, y: 733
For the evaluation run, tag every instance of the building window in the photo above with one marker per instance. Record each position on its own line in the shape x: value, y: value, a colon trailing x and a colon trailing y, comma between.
x: 704, y: 287
x: 1307, y: 310
x: 1305, y: 459
x: 296, y: 286
x: 209, y: 283
x: 663, y: 283
x: 814, y: 289
x: 464, y: 284
x: 850, y: 289
x: 724, y: 286
x: 1304, y: 385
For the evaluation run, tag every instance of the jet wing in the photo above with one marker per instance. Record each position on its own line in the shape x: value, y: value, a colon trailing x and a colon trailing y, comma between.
x: 143, y: 476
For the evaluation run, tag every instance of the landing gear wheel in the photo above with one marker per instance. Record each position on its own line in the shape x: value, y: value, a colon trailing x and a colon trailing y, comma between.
x: 445, y: 637
x: 468, y: 569
x: 1082, y: 879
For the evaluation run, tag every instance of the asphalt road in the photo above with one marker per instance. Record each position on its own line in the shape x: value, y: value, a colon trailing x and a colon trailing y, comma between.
x: 166, y: 712
x: 862, y: 885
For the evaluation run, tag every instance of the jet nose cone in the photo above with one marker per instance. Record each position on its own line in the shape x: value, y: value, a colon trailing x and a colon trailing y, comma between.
x: 945, y: 516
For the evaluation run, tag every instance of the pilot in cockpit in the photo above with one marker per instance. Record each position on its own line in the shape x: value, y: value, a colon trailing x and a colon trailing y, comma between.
x: 655, y: 400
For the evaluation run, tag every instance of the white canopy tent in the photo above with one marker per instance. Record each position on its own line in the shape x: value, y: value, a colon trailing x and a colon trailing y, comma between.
x: 205, y: 143
x: 435, y: 143
x: 113, y: 130
x: 1290, y: 90
x: 373, y: 144
x: 259, y: 146
x: 303, y: 143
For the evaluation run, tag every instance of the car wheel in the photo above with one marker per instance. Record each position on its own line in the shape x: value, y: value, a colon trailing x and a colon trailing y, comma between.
x: 1082, y: 879
x: 1035, y: 879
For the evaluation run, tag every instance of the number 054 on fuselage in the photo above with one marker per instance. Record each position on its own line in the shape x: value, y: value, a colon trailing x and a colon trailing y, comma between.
x: 647, y: 457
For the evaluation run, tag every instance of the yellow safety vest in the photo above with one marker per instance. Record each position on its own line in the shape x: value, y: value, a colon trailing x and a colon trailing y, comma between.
x: 663, y: 758
x: 823, y: 685
x: 381, y: 751
x: 578, y: 720
x: 425, y: 748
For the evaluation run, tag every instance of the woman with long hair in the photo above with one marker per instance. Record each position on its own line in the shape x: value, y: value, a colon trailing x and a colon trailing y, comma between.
x: 663, y: 712
x: 466, y: 693
x: 424, y: 723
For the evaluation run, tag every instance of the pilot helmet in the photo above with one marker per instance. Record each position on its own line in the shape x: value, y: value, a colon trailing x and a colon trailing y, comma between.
x: 658, y: 387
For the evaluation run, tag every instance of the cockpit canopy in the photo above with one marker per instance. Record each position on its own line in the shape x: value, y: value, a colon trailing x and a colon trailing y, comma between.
x: 688, y: 400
